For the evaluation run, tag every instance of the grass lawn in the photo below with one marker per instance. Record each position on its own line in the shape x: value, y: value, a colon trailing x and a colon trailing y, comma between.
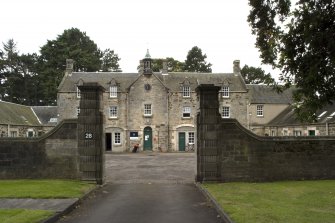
x: 289, y: 202
x: 23, y: 216
x: 43, y: 188
x: 37, y: 189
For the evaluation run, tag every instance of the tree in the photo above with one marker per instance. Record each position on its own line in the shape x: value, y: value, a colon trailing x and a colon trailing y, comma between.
x: 196, y: 61
x: 110, y: 61
x: 76, y: 45
x: 300, y: 42
x: 18, y: 77
x: 172, y: 65
x: 253, y: 75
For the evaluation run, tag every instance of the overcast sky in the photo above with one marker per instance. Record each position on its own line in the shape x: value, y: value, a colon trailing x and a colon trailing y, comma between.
x: 168, y: 28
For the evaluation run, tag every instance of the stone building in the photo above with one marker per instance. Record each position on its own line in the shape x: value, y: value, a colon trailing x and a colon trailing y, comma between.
x: 155, y: 109
x: 26, y: 121
x: 287, y: 124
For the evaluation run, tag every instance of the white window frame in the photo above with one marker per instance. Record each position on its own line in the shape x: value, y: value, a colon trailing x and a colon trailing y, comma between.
x: 260, y: 110
x: 225, y: 112
x: 191, y: 138
x: 186, y: 91
x: 297, y: 132
x: 78, y: 93
x: 225, y: 91
x: 113, y: 111
x: 187, y: 112
x: 147, y: 110
x: 78, y: 110
x: 30, y: 131
x: 117, y: 138
x: 113, y: 91
x: 13, y: 133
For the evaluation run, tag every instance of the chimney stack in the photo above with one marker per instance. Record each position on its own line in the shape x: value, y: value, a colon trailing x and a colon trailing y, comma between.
x: 237, y: 68
x: 69, y: 67
x: 165, y: 67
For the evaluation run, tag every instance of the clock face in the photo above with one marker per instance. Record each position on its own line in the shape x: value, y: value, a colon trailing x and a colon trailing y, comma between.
x: 147, y: 87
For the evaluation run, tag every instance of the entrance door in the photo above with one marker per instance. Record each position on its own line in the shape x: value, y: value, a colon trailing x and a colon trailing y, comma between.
x: 181, y: 141
x: 147, y: 144
x: 108, y: 141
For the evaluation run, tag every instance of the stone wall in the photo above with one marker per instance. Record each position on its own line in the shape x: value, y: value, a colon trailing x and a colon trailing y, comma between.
x: 54, y: 155
x: 229, y: 152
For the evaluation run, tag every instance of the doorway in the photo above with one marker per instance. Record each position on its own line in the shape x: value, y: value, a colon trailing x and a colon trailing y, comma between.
x: 181, y: 141
x: 108, y: 141
x: 147, y: 140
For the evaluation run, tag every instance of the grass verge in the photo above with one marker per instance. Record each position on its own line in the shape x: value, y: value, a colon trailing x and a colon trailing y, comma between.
x: 23, y: 215
x: 289, y: 202
x: 43, y: 188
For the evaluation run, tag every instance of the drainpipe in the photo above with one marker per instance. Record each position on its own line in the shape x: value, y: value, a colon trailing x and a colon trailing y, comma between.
x: 127, y: 120
x: 168, y: 119
x: 327, y: 129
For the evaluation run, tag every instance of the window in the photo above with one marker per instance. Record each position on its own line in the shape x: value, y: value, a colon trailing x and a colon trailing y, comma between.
x: 147, y: 110
x: 117, y: 138
x: 191, y: 137
x: 297, y: 133
x: 311, y: 132
x: 30, y: 133
x: 285, y: 132
x: 259, y: 110
x: 113, y: 91
x: 13, y: 133
x: 225, y: 92
x: 186, y: 91
x: 78, y: 111
x: 186, y: 112
x: 113, y: 112
x: 273, y: 133
x: 225, y: 112
x: 78, y: 93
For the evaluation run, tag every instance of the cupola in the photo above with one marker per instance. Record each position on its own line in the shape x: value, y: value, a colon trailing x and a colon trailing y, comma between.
x: 147, y: 64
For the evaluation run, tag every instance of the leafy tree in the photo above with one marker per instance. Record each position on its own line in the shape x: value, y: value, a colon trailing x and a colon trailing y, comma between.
x: 110, y: 61
x: 76, y: 45
x: 196, y: 61
x: 172, y: 65
x: 300, y: 42
x: 253, y: 75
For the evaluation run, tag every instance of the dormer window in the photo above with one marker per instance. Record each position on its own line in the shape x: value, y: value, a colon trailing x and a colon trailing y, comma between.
x: 186, y: 91
x: 113, y: 91
x: 225, y: 91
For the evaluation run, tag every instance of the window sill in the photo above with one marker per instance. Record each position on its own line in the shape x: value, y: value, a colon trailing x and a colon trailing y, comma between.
x: 147, y: 116
x: 113, y: 118
x: 186, y: 117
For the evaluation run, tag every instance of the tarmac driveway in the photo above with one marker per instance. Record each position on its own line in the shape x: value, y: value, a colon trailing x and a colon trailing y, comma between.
x: 145, y: 188
x: 151, y: 167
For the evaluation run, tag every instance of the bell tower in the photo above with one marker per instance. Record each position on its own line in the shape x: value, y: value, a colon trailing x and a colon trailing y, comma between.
x: 147, y: 64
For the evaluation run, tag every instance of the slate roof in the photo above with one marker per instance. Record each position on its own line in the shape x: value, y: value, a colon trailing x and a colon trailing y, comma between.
x: 288, y: 117
x: 47, y: 115
x: 172, y: 81
x: 263, y: 94
x: 15, y: 114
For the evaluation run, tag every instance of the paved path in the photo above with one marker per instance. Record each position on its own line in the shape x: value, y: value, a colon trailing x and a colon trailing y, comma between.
x: 57, y: 205
x: 144, y: 188
x: 144, y: 203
